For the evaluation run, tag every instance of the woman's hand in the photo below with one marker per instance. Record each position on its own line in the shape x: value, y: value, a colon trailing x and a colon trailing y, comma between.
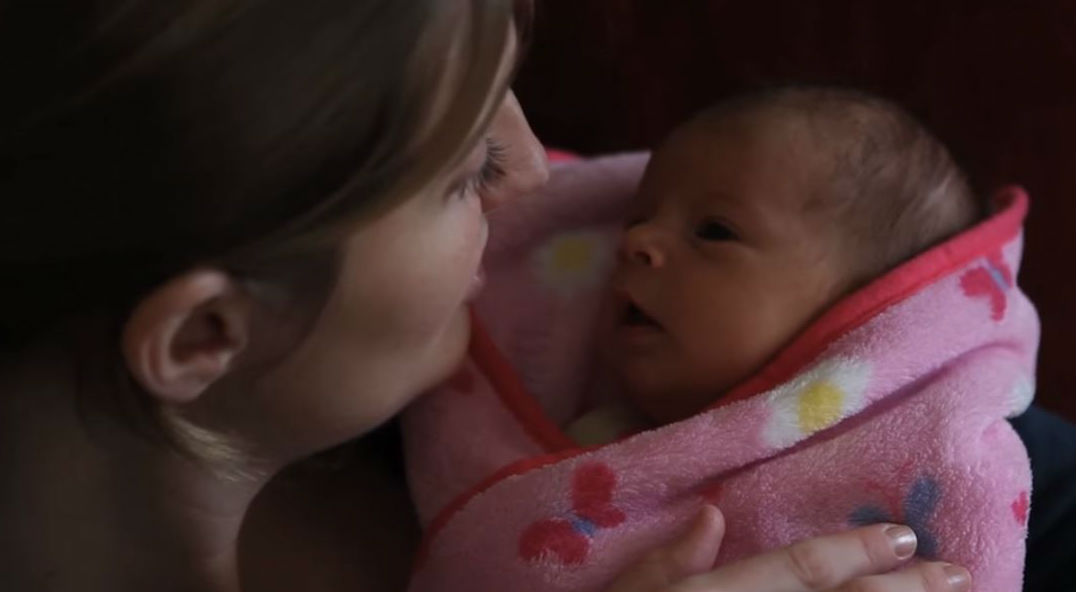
x: 859, y: 560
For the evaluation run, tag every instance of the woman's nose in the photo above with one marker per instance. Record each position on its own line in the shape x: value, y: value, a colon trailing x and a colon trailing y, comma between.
x: 641, y: 245
x: 525, y: 166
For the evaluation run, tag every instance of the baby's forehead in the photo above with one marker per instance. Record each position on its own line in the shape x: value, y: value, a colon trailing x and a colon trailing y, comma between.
x: 732, y: 154
x: 763, y: 129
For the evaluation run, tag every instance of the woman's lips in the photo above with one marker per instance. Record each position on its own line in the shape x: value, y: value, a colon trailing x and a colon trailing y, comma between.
x: 479, y: 280
x: 477, y: 284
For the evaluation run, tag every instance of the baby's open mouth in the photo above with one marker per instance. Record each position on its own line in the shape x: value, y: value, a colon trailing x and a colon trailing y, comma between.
x: 635, y: 317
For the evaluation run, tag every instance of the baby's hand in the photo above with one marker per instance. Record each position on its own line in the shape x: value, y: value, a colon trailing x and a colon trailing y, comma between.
x: 857, y: 560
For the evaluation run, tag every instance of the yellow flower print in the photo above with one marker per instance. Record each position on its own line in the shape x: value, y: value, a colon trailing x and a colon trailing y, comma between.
x: 815, y: 400
x: 574, y: 261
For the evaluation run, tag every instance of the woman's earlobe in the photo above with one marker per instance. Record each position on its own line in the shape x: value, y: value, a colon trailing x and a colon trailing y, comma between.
x: 186, y: 334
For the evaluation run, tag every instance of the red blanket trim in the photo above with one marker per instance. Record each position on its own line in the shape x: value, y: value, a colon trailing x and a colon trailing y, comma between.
x: 508, y: 386
x: 556, y: 156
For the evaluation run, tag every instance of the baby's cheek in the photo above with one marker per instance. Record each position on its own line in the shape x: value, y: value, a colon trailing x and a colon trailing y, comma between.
x: 724, y: 352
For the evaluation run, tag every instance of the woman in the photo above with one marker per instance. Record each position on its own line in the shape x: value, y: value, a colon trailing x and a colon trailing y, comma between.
x: 239, y: 233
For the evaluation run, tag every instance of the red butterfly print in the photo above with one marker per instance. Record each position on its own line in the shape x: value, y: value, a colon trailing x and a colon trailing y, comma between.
x: 1020, y: 507
x: 567, y: 540
x: 991, y: 280
x: 711, y: 493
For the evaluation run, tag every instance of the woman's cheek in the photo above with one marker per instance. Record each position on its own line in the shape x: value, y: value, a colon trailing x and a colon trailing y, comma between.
x: 467, y: 233
x: 430, y: 275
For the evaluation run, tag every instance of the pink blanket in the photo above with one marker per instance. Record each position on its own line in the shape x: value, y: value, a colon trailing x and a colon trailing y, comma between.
x: 891, y: 407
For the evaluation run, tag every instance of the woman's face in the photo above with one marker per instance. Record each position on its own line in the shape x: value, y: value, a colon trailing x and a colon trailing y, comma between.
x: 396, y: 322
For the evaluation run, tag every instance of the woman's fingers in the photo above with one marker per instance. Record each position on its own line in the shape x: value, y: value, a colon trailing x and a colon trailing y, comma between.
x: 859, y: 560
x: 821, y: 563
x: 696, y: 551
x: 693, y: 553
x: 924, y: 577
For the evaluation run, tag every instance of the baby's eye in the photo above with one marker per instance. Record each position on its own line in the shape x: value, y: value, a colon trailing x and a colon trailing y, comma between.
x: 714, y: 230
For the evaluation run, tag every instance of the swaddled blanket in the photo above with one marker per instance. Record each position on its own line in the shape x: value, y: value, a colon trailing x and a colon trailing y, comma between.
x: 890, y: 407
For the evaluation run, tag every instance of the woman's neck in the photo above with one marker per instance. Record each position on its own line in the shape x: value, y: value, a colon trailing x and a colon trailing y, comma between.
x: 101, y: 509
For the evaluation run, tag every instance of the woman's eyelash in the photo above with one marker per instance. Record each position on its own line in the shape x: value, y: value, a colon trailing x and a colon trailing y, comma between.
x: 714, y: 230
x: 491, y: 172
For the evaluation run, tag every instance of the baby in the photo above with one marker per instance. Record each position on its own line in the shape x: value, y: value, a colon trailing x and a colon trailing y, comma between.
x: 753, y: 218
x: 810, y: 324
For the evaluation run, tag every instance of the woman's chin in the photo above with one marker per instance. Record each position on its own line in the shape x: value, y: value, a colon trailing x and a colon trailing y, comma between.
x: 451, y: 349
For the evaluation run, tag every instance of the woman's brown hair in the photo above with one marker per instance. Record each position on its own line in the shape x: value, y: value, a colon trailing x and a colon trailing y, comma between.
x: 139, y: 138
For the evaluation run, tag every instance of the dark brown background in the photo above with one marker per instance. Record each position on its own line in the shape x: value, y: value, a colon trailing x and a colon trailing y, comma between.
x: 995, y: 80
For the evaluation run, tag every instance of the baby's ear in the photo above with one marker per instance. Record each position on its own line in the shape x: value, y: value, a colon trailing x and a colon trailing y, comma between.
x: 185, y: 335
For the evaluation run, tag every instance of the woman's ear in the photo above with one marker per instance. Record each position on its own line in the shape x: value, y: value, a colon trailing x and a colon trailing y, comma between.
x: 185, y: 335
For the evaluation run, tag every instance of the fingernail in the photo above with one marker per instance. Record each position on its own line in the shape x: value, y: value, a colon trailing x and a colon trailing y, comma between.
x: 959, y: 579
x: 903, y: 540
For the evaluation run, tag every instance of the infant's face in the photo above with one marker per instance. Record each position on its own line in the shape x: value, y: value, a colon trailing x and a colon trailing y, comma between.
x: 720, y: 264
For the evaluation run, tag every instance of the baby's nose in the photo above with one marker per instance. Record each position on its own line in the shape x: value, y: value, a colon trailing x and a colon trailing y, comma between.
x: 642, y: 245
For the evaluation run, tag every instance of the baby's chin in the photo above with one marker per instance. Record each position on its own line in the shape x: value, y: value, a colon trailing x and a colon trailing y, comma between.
x: 657, y: 398
x: 657, y: 384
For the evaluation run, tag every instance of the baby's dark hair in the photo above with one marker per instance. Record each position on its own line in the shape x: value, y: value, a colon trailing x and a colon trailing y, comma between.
x: 893, y: 187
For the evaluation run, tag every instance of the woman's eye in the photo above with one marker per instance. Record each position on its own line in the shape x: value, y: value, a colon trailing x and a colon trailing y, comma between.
x: 713, y: 230
x: 489, y: 175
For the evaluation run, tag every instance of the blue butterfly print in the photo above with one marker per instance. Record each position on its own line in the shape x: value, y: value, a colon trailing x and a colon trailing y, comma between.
x: 918, y: 509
